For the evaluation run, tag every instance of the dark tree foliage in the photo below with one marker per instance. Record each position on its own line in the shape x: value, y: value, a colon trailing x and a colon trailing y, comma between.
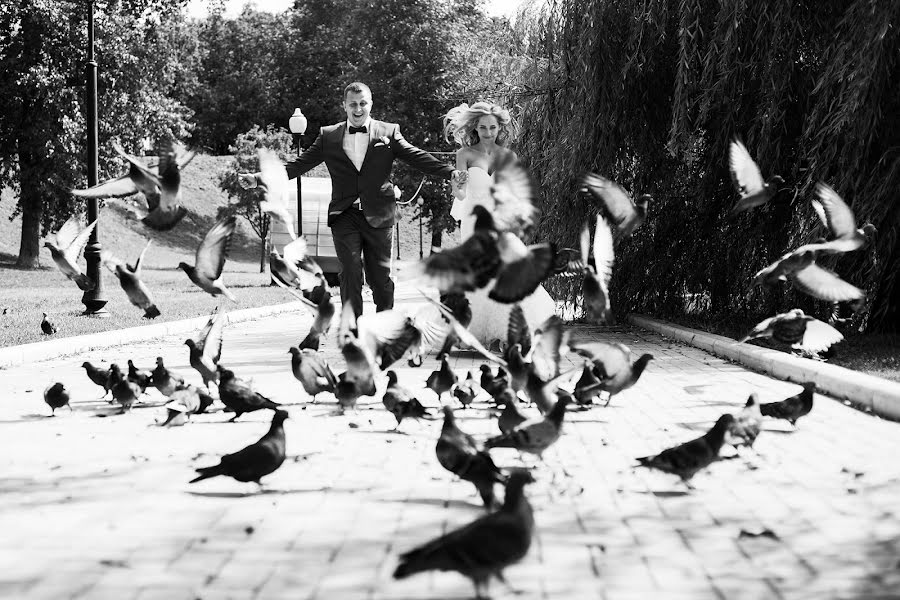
x: 651, y: 93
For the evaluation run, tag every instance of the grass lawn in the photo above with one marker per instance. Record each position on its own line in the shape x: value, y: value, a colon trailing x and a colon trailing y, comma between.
x: 875, y: 354
x: 26, y: 294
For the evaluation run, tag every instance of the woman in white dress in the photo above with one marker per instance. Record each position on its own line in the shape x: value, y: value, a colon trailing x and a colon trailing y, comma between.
x: 482, y: 132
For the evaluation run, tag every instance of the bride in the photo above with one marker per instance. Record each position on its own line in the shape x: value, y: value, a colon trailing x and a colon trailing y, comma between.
x: 482, y: 131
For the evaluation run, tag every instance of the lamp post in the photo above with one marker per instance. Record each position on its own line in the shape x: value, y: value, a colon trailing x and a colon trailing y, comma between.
x: 297, y: 124
x: 93, y: 300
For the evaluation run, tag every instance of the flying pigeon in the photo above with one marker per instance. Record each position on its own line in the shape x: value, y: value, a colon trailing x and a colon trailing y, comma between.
x: 206, y: 349
x: 753, y: 189
x: 273, y: 180
x: 70, y: 242
x: 627, y: 214
x: 130, y: 280
x: 841, y: 224
x: 797, y: 329
x: 209, y: 260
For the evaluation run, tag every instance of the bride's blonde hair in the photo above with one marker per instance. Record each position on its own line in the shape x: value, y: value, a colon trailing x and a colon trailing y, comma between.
x: 461, y: 122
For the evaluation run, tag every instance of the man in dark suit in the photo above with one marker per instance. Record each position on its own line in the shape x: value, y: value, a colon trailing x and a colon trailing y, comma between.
x: 359, y: 154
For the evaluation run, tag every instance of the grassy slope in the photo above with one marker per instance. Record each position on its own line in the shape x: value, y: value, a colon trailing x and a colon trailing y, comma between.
x: 26, y: 294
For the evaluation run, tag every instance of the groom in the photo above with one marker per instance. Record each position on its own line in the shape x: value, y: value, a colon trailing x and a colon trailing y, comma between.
x: 359, y: 154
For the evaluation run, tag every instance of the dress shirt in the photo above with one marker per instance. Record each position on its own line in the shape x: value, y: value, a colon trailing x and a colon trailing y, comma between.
x: 356, y: 145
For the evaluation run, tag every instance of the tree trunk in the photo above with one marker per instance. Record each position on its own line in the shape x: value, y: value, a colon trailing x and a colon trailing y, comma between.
x: 32, y: 211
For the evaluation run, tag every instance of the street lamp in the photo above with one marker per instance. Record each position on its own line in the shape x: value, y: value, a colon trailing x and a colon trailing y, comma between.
x: 93, y: 300
x: 297, y: 124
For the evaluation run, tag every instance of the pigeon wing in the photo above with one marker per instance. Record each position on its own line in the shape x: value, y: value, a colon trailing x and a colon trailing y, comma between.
x: 113, y: 188
x: 67, y: 233
x: 819, y: 336
x: 823, y: 284
x: 464, y: 335
x: 213, y: 250
x: 617, y: 201
x: 611, y: 356
x: 518, y: 332
x: 744, y: 172
x: 604, y: 255
x: 548, y: 348
x: 80, y: 241
x: 275, y: 184
x: 212, y: 341
x: 137, y: 265
x: 838, y: 216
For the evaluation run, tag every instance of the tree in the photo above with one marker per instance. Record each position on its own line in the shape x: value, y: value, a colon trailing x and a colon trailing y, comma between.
x: 42, y: 127
x: 246, y: 160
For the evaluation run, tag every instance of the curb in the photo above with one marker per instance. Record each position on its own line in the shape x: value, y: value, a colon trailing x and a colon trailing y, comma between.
x: 880, y: 395
x: 26, y: 353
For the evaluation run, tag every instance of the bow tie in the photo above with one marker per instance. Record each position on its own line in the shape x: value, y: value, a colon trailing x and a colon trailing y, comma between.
x: 358, y: 129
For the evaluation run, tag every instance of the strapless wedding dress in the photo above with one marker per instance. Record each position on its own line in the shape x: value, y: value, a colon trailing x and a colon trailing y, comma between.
x: 490, y: 319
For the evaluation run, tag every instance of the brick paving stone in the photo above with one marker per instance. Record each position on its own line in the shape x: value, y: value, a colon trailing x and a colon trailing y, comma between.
x: 97, y: 504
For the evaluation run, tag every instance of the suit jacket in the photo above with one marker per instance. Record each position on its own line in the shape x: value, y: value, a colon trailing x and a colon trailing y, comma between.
x: 371, y: 184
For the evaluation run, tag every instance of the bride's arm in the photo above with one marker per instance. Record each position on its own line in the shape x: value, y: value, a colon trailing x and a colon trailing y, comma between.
x: 459, y: 189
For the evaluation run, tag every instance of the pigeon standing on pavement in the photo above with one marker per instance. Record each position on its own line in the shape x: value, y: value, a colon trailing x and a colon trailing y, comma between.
x: 442, y: 380
x: 535, y: 435
x: 130, y: 279
x: 256, y: 460
x: 98, y: 376
x: 56, y: 396
x: 686, y: 459
x: 458, y: 453
x: 626, y: 213
x: 124, y: 392
x: 797, y: 329
x: 141, y: 377
x: 587, y: 387
x: 209, y: 259
x: 237, y: 394
x: 483, y: 548
x: 512, y: 415
x: 47, y: 327
x: 184, y: 401
x: 206, y: 349
x: 491, y: 383
x: 312, y: 371
x: 359, y: 378
x: 400, y: 403
x: 745, y: 428
x: 753, y: 189
x: 466, y: 391
x: 164, y: 380
x: 70, y: 241
x: 613, y: 365
x: 791, y: 408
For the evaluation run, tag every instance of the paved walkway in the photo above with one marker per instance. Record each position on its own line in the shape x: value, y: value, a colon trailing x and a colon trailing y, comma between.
x: 96, y: 505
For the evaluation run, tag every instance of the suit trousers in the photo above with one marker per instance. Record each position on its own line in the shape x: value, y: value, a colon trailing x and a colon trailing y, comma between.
x: 353, y: 236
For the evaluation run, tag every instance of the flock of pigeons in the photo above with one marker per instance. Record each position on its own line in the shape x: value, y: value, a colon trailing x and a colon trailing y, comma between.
x: 530, y: 370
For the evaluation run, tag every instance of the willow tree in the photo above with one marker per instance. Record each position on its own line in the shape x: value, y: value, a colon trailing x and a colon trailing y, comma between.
x: 651, y: 93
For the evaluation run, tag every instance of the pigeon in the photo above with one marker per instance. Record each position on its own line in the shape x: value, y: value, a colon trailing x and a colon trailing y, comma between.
x: 753, y: 190
x: 840, y: 222
x: 237, y: 394
x: 613, y: 365
x: 797, y: 329
x: 295, y: 269
x: 184, y: 401
x: 458, y: 453
x: 587, y: 387
x: 535, y: 435
x: 168, y: 211
x: 47, y: 326
x: 518, y: 332
x: 130, y: 279
x: 442, y: 380
x: 323, y: 316
x: 595, y: 285
x: 56, y: 396
x: 746, y: 425
x: 517, y: 367
x: 165, y: 381
x: 483, y: 548
x: 70, y: 242
x: 686, y: 459
x: 627, y: 214
x: 273, y: 180
x: 806, y: 275
x: 209, y: 260
x: 160, y: 183
x: 359, y: 378
x: 124, y: 392
x: 256, y: 460
x: 493, y: 384
x: 461, y: 310
x: 512, y: 415
x: 791, y: 408
x: 400, y: 403
x: 466, y: 391
x: 206, y: 349
x: 141, y: 378
x: 462, y: 334
x: 98, y: 376
x: 391, y: 334
x: 313, y: 372
x: 551, y: 342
